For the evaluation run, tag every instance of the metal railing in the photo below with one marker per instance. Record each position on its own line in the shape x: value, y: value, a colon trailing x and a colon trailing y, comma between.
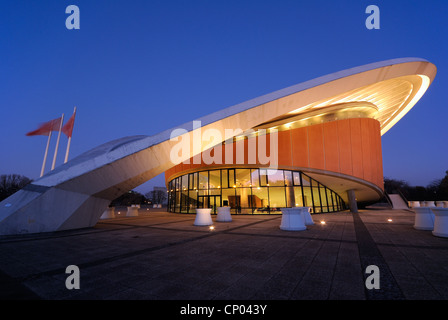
x: 400, y: 193
x: 388, y: 199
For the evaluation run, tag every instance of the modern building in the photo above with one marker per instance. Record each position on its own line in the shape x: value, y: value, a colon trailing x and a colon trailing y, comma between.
x: 329, y: 155
x: 327, y: 149
x: 323, y: 155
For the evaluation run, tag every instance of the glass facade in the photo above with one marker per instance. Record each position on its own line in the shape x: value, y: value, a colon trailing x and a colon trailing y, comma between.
x: 250, y: 191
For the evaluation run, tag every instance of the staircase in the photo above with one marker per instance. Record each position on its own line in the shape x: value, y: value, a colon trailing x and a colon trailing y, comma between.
x: 397, y: 202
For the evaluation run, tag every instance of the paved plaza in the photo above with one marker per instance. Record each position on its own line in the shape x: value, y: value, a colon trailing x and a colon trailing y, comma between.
x: 163, y: 256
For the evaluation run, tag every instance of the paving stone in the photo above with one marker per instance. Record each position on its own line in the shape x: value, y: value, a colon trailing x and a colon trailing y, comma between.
x: 163, y: 256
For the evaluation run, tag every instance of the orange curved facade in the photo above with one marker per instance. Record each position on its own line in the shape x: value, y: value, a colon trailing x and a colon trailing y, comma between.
x: 349, y: 147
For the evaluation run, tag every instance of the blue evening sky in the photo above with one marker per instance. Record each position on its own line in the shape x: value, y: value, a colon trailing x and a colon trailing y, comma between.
x: 140, y: 67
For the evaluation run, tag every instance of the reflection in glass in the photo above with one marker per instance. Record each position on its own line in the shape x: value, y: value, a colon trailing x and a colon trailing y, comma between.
x: 288, y: 178
x: 305, y: 180
x: 263, y: 177
x: 275, y: 178
x: 255, y: 178
x: 243, y: 177
x: 296, y: 176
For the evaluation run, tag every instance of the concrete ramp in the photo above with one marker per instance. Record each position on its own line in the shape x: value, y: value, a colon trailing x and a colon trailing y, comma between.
x: 397, y: 202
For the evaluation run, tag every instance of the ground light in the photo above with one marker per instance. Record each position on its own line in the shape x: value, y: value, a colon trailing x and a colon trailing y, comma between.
x: 322, y: 222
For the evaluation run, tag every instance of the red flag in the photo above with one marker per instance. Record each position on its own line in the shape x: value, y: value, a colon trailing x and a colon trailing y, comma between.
x: 45, y: 128
x: 67, y: 129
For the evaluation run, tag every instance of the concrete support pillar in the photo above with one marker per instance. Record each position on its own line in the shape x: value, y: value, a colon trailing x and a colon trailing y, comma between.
x: 352, y: 201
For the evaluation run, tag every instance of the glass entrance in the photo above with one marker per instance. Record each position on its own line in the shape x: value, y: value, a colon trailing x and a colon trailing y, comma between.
x: 209, y: 202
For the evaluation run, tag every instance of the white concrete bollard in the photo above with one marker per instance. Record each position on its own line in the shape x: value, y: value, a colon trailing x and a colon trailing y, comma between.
x: 203, y: 217
x: 424, y: 219
x: 440, y: 222
x: 132, y: 211
x: 223, y: 214
x: 439, y: 204
x: 109, y: 213
x: 415, y: 204
x: 292, y: 219
x: 307, y: 216
x: 430, y: 204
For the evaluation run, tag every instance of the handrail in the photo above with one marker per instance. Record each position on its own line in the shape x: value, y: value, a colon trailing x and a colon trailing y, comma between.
x: 403, y: 197
x: 388, y: 199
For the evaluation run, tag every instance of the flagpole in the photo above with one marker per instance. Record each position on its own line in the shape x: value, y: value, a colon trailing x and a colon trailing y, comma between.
x: 57, y: 143
x: 68, y: 148
x: 69, y: 139
x: 45, y: 156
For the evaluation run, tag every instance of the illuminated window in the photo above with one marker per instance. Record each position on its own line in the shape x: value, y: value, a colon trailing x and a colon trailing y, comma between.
x: 203, y: 180
x: 250, y: 191
x: 215, y: 179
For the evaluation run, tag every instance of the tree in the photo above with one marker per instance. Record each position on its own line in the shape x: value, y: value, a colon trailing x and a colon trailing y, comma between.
x: 156, y: 196
x: 437, y: 190
x: 128, y: 199
x: 394, y: 186
x: 11, y: 183
x: 443, y: 188
x: 418, y: 193
x: 432, y: 190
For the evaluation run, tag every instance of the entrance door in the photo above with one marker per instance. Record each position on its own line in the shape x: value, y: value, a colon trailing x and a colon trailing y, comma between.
x: 210, y: 202
x: 215, y: 202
